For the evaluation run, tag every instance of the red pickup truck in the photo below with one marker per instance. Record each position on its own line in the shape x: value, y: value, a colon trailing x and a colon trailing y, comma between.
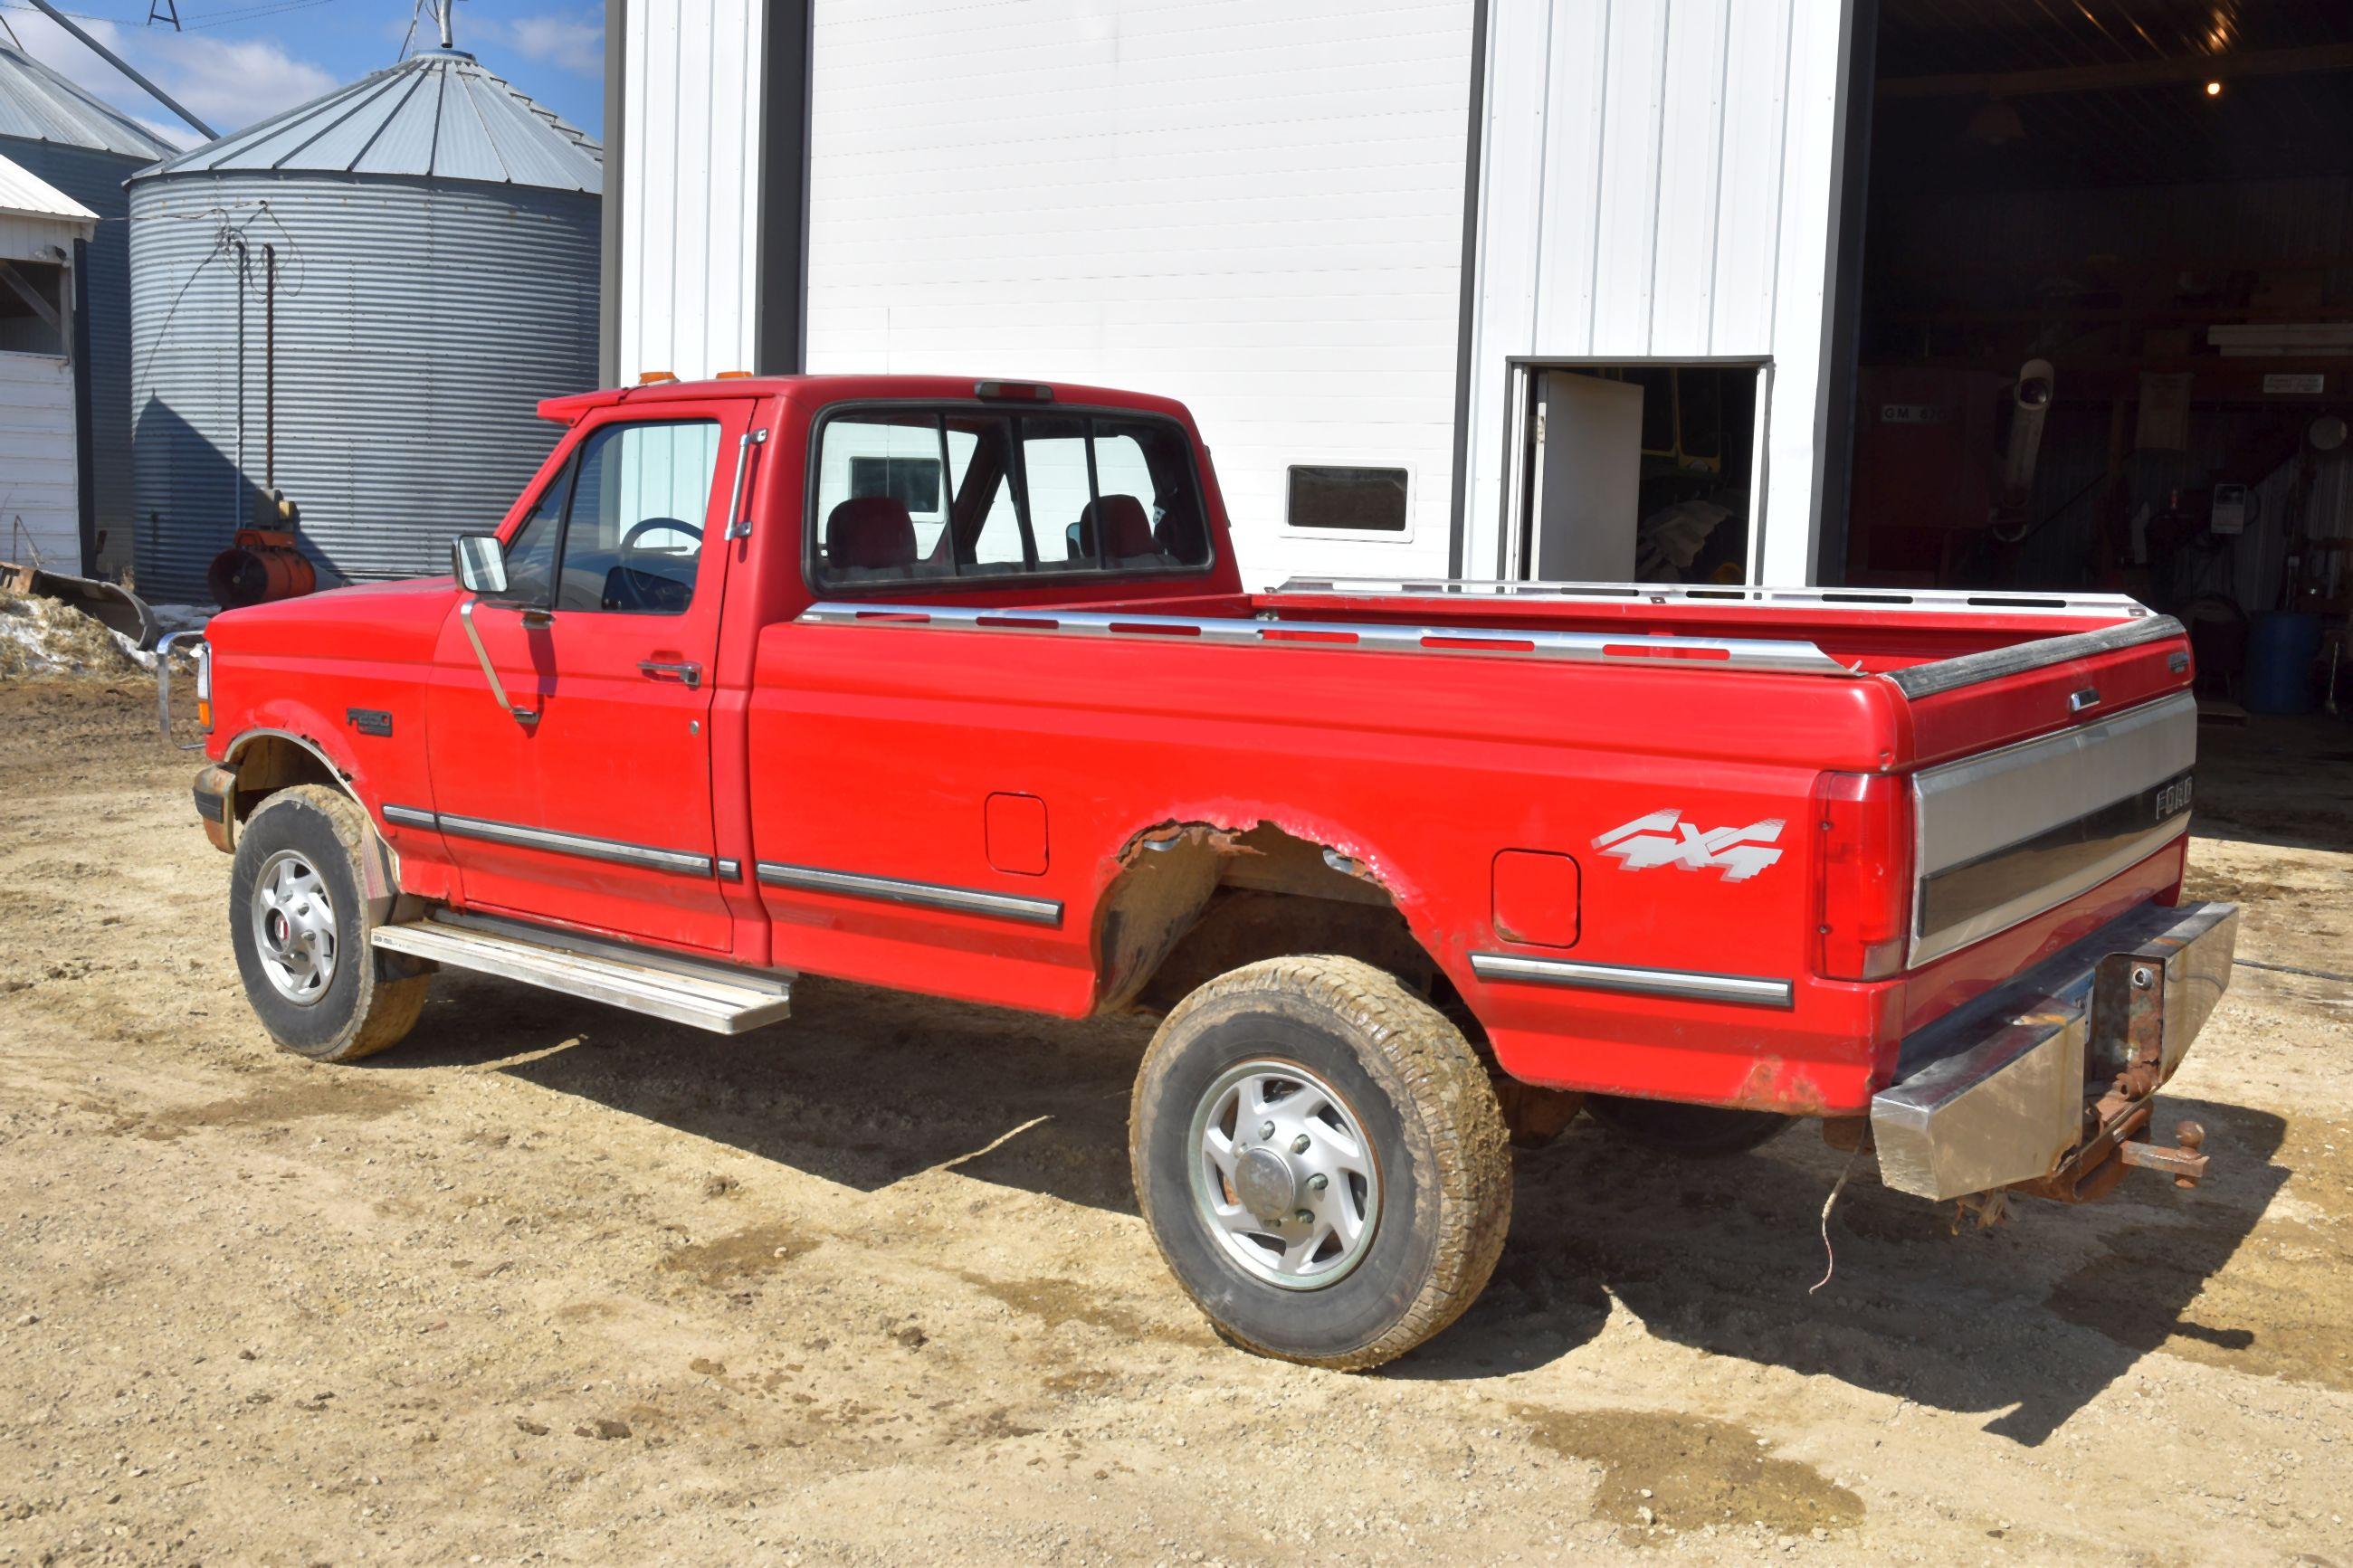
x: 954, y: 688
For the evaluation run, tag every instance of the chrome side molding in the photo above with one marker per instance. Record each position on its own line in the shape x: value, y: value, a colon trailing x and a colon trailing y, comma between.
x: 684, y: 862
x: 1677, y: 984
x: 922, y: 895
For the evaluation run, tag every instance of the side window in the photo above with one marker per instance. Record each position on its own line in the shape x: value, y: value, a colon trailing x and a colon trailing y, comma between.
x: 641, y: 497
x: 531, y: 554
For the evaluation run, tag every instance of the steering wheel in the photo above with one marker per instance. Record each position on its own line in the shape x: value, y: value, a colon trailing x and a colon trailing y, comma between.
x: 630, y: 586
x: 657, y: 525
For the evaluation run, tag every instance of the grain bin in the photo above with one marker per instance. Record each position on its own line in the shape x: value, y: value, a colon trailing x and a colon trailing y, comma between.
x: 358, y: 302
x: 65, y: 136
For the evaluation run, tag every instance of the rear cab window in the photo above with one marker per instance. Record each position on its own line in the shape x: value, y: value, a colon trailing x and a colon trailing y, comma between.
x: 959, y: 492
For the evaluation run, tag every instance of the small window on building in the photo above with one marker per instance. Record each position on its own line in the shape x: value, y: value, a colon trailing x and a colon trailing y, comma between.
x: 912, y: 482
x: 32, y: 308
x: 1367, y: 501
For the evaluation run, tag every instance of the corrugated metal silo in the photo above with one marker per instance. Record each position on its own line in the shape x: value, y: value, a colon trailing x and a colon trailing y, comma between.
x: 435, y: 236
x: 67, y: 137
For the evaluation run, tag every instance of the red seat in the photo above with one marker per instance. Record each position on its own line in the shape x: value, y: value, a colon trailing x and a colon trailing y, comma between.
x: 870, y: 533
x: 1126, y: 527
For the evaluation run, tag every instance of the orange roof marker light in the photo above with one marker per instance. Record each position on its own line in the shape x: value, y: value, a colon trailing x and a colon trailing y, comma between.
x: 655, y: 377
x: 733, y: 376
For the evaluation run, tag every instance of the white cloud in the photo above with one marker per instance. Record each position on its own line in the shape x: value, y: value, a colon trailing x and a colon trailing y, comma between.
x: 566, y: 43
x: 228, y: 85
x: 170, y: 133
x: 235, y: 84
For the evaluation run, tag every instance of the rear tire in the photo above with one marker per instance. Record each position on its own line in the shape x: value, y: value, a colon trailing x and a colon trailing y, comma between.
x: 297, y: 920
x: 1373, y: 1213
x: 1693, y: 1131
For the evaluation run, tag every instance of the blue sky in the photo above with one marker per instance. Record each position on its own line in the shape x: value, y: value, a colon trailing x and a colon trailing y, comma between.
x: 236, y: 62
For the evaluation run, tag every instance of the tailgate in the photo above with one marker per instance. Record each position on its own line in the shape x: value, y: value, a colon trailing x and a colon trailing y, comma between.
x: 2003, y: 837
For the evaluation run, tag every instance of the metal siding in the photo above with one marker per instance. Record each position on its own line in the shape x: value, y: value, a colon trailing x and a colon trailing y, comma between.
x: 418, y: 324
x: 41, y: 519
x: 94, y: 178
x: 1257, y: 211
x: 1658, y: 183
x: 691, y: 89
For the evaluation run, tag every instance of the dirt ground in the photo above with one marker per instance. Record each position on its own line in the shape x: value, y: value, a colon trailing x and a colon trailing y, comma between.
x: 555, y: 1284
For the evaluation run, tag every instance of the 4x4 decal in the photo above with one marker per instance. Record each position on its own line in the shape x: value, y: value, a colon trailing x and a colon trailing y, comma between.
x: 1663, y: 838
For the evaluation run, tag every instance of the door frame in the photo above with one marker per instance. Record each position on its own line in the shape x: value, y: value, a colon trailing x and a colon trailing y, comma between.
x: 479, y: 882
x: 1520, y: 373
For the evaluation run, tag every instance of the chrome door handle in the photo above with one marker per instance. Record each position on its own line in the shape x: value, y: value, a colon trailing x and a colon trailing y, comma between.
x: 686, y: 675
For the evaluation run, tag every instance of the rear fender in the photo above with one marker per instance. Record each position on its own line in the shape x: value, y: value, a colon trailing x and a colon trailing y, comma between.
x: 1162, y: 878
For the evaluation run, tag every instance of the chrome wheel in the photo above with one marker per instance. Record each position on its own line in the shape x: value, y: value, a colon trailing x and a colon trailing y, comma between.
x: 1284, y: 1176
x: 294, y: 928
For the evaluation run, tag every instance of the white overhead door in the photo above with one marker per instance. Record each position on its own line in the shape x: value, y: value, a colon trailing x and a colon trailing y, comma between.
x: 1255, y: 209
x: 1660, y: 181
x: 40, y: 511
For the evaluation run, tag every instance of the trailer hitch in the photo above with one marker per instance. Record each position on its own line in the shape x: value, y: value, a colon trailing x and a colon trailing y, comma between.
x: 2183, y: 1161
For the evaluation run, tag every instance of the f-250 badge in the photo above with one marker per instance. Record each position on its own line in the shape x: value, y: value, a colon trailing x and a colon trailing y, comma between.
x: 1663, y: 838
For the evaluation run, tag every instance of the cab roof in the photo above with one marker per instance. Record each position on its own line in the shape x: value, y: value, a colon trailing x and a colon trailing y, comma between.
x: 818, y: 390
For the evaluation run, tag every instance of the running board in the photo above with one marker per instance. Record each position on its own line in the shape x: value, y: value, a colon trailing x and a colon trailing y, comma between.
x: 711, y: 996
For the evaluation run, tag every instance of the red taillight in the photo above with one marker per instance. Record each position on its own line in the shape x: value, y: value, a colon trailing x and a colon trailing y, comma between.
x: 1862, y: 849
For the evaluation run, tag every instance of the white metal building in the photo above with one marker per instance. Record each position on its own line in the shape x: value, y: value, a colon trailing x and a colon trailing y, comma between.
x: 40, y: 494
x: 1261, y: 210
x: 1482, y: 288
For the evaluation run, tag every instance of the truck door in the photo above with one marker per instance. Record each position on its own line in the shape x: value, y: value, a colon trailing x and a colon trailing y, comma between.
x: 585, y: 799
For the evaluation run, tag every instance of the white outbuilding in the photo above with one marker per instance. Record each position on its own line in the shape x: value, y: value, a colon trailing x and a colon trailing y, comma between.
x: 40, y: 485
x: 1888, y: 292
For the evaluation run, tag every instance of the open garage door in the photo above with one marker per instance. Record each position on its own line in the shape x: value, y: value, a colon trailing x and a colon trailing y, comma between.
x: 2105, y: 336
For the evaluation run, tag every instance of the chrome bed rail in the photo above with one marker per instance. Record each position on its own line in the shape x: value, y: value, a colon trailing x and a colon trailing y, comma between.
x: 1943, y: 601
x: 1784, y: 655
x: 1969, y: 669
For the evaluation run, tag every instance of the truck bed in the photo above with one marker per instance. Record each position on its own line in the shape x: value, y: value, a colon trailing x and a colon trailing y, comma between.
x: 1928, y: 645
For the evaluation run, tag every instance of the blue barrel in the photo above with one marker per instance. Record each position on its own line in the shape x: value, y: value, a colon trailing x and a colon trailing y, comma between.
x: 2281, y: 647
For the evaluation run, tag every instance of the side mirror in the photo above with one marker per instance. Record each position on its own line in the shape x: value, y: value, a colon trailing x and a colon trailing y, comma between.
x: 479, y: 564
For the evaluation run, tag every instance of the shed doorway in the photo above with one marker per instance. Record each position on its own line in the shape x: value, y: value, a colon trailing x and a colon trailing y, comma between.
x: 1634, y: 470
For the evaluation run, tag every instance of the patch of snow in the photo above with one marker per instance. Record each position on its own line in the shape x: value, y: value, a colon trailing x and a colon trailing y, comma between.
x: 40, y: 636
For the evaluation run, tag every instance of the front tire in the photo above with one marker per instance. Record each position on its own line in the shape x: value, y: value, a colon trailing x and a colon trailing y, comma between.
x: 297, y: 920
x: 1322, y: 1160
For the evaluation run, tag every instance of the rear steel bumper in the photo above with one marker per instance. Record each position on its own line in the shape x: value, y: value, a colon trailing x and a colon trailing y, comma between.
x: 2045, y: 1081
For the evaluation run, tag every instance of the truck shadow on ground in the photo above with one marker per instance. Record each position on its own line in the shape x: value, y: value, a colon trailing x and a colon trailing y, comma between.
x: 860, y: 1088
x: 2027, y: 1322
